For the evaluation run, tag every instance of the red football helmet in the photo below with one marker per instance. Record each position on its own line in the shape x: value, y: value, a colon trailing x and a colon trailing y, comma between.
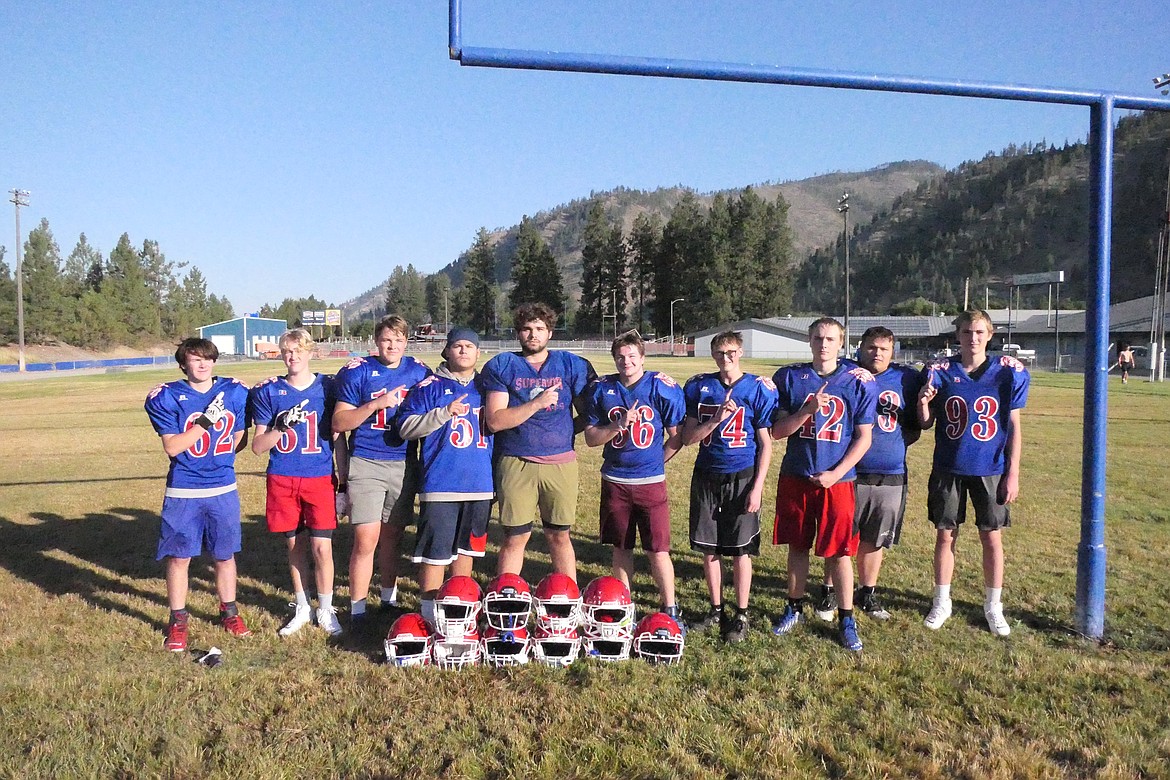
x: 408, y: 642
x: 456, y: 652
x: 608, y: 609
x: 507, y: 602
x: 457, y: 607
x: 558, y: 603
x: 505, y: 647
x: 612, y: 648
x: 555, y: 647
x: 658, y: 639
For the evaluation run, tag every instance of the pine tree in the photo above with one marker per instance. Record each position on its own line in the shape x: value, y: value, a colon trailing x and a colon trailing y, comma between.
x: 535, y: 275
x: 479, y: 279
x: 44, y: 299
x: 645, y: 239
x: 406, y: 295
x: 439, y: 298
x: 592, y: 272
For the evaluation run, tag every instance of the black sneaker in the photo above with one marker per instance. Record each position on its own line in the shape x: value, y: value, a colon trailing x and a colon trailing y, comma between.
x: 871, y: 605
x: 736, y: 629
x: 710, y: 620
x: 826, y: 606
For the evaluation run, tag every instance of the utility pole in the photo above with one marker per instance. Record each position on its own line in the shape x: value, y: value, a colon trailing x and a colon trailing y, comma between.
x: 19, y: 198
x: 672, y: 303
x: 843, y: 207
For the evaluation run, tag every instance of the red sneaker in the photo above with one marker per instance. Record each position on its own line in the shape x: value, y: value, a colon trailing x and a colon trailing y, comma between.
x: 234, y: 625
x: 176, y: 637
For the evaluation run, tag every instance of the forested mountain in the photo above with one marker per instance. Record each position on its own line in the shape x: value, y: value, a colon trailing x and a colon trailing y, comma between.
x: 1021, y: 211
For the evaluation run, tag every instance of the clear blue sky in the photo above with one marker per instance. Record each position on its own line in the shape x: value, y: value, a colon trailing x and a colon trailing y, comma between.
x: 298, y: 148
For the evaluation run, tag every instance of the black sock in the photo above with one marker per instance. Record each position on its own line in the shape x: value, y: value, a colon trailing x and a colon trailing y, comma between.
x: 180, y: 615
x: 716, y: 609
x: 844, y: 613
x: 228, y: 608
x: 796, y: 604
x: 866, y: 590
x: 741, y: 611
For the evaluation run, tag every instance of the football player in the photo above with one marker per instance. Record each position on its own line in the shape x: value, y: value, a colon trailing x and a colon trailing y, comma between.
x: 728, y: 413
x: 293, y: 422
x: 445, y: 411
x: 202, y: 423
x: 531, y: 398
x: 826, y: 412
x: 635, y: 414
x: 382, y: 467
x: 977, y: 402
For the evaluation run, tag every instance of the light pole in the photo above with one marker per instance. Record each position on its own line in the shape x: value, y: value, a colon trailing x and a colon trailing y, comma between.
x: 843, y: 207
x: 19, y: 198
x: 672, y: 303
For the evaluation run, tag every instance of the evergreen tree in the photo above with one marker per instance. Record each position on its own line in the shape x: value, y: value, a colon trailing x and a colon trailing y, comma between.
x: 535, y: 275
x: 44, y: 299
x: 594, y: 294
x: 614, y: 274
x: 686, y: 268
x: 479, y: 278
x: 645, y: 238
x: 439, y: 298
x: 406, y: 295
x: 128, y: 293
x: 77, y: 266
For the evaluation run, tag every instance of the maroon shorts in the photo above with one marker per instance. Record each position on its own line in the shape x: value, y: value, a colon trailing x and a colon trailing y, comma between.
x: 629, y: 510
x: 294, y: 503
x: 816, y: 518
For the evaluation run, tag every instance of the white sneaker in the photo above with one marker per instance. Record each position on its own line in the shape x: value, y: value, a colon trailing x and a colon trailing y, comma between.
x: 302, y: 616
x: 939, y: 613
x: 996, y: 621
x: 327, y: 619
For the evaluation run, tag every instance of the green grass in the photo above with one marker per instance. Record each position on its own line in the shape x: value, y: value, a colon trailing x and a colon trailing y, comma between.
x: 88, y: 691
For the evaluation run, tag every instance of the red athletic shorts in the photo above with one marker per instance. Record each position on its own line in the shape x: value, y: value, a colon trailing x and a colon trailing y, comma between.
x: 631, y: 510
x: 294, y: 503
x: 816, y: 518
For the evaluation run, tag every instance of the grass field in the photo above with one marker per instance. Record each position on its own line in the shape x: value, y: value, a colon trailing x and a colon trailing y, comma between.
x: 87, y: 690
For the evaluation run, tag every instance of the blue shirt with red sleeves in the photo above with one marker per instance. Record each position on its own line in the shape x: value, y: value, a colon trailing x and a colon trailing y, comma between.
x: 973, y: 414
x: 549, y: 431
x: 306, y: 448
x: 635, y: 455
x: 731, y: 447
x: 362, y: 380
x: 173, y: 407
x: 896, y: 419
x: 821, y: 442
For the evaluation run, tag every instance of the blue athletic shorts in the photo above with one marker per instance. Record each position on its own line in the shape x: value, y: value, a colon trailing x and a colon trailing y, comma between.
x: 192, y: 525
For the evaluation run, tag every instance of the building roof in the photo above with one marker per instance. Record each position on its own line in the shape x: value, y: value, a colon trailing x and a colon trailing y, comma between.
x: 913, y: 327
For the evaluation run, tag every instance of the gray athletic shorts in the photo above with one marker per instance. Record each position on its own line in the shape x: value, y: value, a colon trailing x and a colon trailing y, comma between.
x: 946, y: 501
x: 719, y: 524
x: 381, y: 490
x: 881, y: 505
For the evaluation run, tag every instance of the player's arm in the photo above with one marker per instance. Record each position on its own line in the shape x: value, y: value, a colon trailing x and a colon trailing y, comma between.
x: 862, y: 437
x: 265, y: 438
x: 694, y: 431
x: 417, y: 426
x: 581, y: 413
x: 673, y: 443
x: 174, y: 444
x: 1009, y: 486
x: 763, y: 462
x: 498, y: 416
x: 347, y: 417
x: 926, y: 397
x: 241, y: 440
x: 597, y: 435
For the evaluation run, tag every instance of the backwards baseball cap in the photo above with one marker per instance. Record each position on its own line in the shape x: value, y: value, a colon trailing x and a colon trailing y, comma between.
x: 462, y: 334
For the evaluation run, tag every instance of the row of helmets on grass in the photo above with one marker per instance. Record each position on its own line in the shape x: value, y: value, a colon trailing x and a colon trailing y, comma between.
x: 491, y: 626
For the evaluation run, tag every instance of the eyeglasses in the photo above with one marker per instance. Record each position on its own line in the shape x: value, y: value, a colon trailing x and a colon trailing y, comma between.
x: 730, y: 353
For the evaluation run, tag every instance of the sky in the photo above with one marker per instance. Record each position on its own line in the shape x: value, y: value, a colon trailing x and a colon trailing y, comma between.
x: 302, y: 148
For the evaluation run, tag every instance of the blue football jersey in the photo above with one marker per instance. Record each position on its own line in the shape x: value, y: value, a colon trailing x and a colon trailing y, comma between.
x: 731, y: 447
x: 456, y: 459
x: 305, y: 449
x: 210, y: 462
x: 362, y: 380
x: 973, y: 415
x: 549, y: 431
x: 821, y: 442
x: 635, y: 455
x: 896, y: 419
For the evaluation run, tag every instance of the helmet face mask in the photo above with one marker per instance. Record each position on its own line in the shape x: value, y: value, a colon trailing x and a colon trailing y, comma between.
x: 505, y: 647
x: 608, y: 649
x: 457, y: 653
x: 408, y: 642
x: 556, y: 648
x: 558, y: 603
x: 507, y: 602
x: 608, y: 609
x: 457, y: 606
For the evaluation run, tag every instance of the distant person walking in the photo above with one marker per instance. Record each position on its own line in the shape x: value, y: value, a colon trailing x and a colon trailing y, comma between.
x: 1125, y: 361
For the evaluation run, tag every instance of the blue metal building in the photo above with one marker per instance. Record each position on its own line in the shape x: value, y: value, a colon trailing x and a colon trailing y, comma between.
x: 240, y: 336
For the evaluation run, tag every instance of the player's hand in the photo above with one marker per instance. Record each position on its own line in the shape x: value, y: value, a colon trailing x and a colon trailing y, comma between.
x: 928, y: 391
x: 727, y: 408
x: 457, y: 408
x: 214, y: 412
x: 390, y: 398
x: 290, y: 417
x: 755, y: 500
x: 548, y: 399
x: 341, y: 503
x: 1009, y: 489
x: 825, y: 479
x: 816, y: 401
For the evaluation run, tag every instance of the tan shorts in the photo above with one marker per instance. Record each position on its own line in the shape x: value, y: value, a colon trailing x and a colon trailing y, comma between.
x: 381, y: 491
x: 525, y: 489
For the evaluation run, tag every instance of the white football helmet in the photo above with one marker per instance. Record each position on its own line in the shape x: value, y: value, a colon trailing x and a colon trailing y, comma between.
x: 457, y: 607
x: 658, y: 639
x: 555, y: 648
x: 558, y: 603
x: 507, y: 602
x: 608, y: 609
x: 408, y: 642
x: 505, y: 647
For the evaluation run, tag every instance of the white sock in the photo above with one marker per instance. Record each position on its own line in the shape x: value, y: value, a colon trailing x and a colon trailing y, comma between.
x: 390, y: 595
x: 302, y: 599
x: 357, y: 607
x: 427, y: 608
x: 992, y: 596
x: 325, y: 600
x: 942, y: 593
